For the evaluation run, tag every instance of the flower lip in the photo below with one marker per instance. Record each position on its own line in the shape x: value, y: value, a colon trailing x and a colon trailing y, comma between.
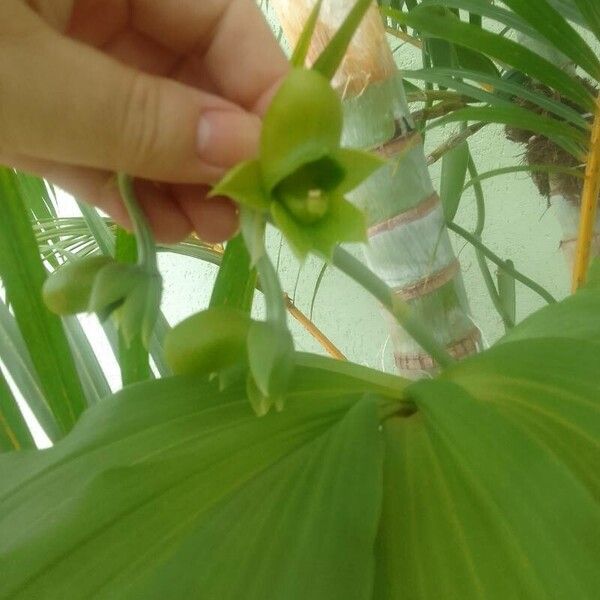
x: 305, y: 193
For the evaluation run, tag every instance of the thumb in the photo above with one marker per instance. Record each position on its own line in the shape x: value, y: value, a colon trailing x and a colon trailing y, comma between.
x: 66, y: 102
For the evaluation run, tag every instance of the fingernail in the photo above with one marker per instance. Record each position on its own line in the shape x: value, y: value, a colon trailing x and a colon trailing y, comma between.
x: 227, y: 137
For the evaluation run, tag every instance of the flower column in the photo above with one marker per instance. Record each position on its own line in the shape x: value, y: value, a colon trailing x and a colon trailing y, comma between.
x: 409, y: 246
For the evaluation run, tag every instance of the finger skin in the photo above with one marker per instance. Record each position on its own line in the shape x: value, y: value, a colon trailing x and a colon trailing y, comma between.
x: 154, y: 88
x: 115, y: 118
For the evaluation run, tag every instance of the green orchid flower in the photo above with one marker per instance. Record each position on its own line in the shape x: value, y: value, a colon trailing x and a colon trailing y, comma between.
x: 99, y: 284
x: 301, y: 178
x: 131, y: 293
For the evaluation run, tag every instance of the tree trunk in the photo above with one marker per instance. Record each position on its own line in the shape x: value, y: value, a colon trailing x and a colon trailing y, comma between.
x: 565, y: 204
x: 409, y: 245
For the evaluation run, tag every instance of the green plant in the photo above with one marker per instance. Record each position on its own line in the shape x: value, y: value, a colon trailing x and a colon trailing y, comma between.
x: 528, y: 82
x: 479, y: 483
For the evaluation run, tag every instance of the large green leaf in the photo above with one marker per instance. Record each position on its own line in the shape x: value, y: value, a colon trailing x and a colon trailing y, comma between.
x: 23, y: 275
x: 551, y: 388
x: 323, y: 500
x: 577, y: 317
x: 492, y: 488
x: 170, y: 474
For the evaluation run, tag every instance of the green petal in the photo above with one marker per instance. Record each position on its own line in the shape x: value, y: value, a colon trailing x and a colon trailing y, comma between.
x: 261, y: 404
x: 295, y: 233
x: 207, y: 342
x: 343, y: 223
x: 303, y: 124
x: 139, y: 312
x: 271, y: 357
x: 112, y: 284
x: 244, y: 185
x: 67, y: 291
x: 358, y: 166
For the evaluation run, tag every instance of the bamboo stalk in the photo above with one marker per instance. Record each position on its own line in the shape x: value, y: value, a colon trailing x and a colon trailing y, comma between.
x: 409, y: 248
x: 589, y: 206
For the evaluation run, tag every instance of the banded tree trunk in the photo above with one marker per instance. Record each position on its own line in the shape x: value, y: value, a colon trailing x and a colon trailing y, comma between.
x: 565, y: 203
x: 409, y: 246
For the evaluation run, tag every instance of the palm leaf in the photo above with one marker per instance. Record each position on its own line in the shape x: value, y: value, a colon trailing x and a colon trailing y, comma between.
x: 500, y: 48
x: 23, y: 275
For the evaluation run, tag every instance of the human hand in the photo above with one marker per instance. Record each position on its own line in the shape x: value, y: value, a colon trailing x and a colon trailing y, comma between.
x: 168, y: 91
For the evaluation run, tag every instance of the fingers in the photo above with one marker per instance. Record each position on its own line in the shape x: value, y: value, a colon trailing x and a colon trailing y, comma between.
x: 230, y: 38
x: 248, y: 70
x: 114, y: 117
x: 173, y: 212
x: 213, y: 219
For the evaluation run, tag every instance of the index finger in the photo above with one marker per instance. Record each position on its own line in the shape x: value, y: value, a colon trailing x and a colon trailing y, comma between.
x: 238, y: 50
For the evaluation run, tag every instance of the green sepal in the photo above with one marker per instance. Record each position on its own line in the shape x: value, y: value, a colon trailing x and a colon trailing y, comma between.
x: 271, y: 357
x: 300, y: 53
x: 303, y: 124
x: 208, y: 342
x: 261, y: 404
x: 139, y: 311
x: 244, y: 185
x: 112, y: 285
x: 330, y: 59
x: 358, y: 166
x: 342, y: 223
x: 233, y: 375
x: 68, y: 290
